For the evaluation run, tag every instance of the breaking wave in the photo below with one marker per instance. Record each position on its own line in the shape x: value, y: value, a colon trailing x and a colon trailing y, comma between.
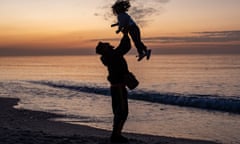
x: 209, y: 102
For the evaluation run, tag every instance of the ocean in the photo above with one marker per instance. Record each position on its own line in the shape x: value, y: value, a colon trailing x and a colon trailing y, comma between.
x: 186, y: 96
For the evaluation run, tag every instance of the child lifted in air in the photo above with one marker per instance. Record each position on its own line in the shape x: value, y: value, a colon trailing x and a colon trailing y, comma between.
x: 126, y: 23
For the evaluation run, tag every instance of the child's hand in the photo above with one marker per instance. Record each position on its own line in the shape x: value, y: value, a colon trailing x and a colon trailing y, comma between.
x: 118, y: 31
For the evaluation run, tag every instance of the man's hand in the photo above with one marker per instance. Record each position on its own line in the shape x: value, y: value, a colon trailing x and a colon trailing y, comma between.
x: 125, y: 30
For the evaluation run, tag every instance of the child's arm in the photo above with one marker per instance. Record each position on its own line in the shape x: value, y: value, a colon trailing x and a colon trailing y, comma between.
x: 116, y: 24
x: 118, y: 31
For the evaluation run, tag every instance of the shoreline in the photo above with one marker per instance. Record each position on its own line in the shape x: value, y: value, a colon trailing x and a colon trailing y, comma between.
x: 35, y: 127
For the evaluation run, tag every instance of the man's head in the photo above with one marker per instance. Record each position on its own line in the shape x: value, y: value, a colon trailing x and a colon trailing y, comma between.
x: 103, y: 48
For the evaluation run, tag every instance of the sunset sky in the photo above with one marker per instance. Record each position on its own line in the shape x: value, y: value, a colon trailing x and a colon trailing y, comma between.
x: 75, y: 26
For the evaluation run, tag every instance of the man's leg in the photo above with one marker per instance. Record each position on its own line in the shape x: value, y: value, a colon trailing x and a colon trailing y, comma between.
x: 120, y: 111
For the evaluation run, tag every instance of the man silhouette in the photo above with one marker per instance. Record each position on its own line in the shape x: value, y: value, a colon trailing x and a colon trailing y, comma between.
x: 117, y: 67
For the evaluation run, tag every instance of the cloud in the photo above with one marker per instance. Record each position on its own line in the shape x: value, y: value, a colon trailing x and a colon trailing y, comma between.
x: 200, y: 37
x: 209, y: 42
x: 224, y: 35
x: 140, y: 10
x: 196, y: 37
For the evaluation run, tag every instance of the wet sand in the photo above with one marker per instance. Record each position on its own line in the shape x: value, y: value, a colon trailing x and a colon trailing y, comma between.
x: 19, y: 126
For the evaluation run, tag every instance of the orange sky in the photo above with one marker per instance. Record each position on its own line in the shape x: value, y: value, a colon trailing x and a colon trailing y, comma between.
x: 77, y: 24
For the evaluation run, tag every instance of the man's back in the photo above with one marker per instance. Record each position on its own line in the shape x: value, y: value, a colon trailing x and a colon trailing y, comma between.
x: 115, y: 61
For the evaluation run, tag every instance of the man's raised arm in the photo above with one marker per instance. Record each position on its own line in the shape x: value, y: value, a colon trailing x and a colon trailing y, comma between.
x: 124, y: 46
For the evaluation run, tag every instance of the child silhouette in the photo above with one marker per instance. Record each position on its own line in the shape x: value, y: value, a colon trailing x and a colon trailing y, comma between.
x: 126, y: 24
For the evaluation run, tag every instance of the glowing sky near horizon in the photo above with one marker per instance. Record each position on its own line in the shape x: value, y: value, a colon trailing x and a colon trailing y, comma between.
x: 77, y: 23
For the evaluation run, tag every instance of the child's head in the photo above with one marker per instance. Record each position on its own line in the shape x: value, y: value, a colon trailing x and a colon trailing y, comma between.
x: 121, y: 6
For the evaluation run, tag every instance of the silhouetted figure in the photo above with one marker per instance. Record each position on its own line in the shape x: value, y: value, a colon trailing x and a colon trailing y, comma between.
x: 117, y: 67
x: 126, y: 23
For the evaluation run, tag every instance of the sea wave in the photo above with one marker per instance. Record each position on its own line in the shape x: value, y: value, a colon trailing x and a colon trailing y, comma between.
x: 209, y: 102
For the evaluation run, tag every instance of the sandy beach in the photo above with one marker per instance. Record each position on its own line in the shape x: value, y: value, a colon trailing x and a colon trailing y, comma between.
x: 34, y: 127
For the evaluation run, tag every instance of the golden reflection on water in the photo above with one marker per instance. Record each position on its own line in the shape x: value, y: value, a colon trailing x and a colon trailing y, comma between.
x: 51, y: 68
x: 199, y: 74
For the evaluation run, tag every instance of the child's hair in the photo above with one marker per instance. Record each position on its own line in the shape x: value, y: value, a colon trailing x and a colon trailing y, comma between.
x: 120, y: 6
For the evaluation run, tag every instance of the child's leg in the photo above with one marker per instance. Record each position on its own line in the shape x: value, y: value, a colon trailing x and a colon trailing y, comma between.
x: 136, y: 37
